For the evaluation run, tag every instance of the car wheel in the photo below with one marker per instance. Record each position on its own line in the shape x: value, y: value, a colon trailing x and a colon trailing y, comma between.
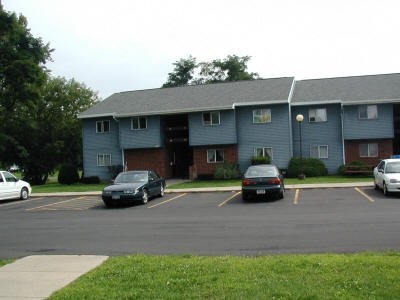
x: 24, y: 193
x: 162, y: 191
x: 376, y: 185
x: 145, y: 197
x: 245, y: 197
x: 108, y: 204
x: 282, y: 194
x: 385, y: 190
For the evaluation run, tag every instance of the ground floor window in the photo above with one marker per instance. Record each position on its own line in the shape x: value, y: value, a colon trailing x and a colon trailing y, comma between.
x: 369, y: 150
x: 265, y: 152
x: 319, y: 151
x: 103, y: 160
x: 215, y: 155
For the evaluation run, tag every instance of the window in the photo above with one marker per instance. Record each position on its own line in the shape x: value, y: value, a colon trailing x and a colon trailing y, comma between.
x: 103, y: 126
x: 215, y: 155
x: 319, y: 151
x: 369, y: 150
x: 368, y: 112
x: 211, y: 118
x: 138, y: 123
x: 262, y: 115
x: 266, y: 152
x: 317, y: 115
x: 103, y: 160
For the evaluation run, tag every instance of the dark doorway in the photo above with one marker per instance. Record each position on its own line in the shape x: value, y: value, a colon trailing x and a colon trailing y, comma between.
x: 396, y: 125
x: 176, y: 132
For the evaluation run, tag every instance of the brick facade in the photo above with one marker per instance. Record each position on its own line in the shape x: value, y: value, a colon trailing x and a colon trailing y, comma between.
x: 200, y: 164
x: 352, y: 150
x: 153, y: 159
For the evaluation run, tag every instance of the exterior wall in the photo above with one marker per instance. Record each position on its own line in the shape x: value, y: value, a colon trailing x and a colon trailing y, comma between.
x: 200, y: 164
x: 153, y: 159
x: 275, y: 134
x: 99, y: 143
x: 222, y: 134
x: 143, y: 138
x: 327, y: 133
x: 352, y: 150
x: 355, y: 128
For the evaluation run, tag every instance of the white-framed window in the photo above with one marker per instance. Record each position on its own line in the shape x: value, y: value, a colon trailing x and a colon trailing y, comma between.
x: 368, y: 112
x: 261, y: 115
x: 369, y: 150
x: 319, y: 151
x: 103, y: 160
x: 317, y: 115
x: 138, y: 123
x: 211, y: 118
x: 215, y: 155
x: 103, y: 126
x: 265, y: 151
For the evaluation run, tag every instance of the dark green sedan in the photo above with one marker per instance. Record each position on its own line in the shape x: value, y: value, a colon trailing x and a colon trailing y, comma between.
x: 133, y: 186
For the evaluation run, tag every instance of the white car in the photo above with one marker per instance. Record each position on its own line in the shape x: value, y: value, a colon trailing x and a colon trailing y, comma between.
x: 13, y: 188
x: 387, y: 176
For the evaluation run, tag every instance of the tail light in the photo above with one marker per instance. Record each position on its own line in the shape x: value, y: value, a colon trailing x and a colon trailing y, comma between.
x: 247, y: 182
x: 274, y: 181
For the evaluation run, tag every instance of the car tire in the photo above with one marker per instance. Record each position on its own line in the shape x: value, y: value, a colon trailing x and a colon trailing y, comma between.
x: 108, y: 204
x: 24, y: 194
x: 162, y: 191
x: 282, y: 194
x: 245, y: 197
x: 385, y: 190
x: 376, y: 186
x: 145, y: 197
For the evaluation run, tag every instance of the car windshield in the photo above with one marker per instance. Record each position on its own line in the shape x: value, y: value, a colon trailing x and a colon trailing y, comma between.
x: 131, y: 177
x: 260, y: 172
x: 393, y: 167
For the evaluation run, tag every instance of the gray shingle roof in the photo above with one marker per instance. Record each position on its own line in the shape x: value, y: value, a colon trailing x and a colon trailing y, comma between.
x: 348, y: 90
x: 193, y: 98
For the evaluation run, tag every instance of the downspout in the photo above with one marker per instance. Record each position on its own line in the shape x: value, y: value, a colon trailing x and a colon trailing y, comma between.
x: 342, y: 123
x: 290, y: 118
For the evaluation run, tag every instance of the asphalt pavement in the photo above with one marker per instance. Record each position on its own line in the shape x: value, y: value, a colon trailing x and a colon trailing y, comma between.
x: 38, y: 276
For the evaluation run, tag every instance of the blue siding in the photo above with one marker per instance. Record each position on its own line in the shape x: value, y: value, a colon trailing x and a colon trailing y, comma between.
x: 146, y: 138
x: 275, y: 134
x: 355, y: 128
x: 99, y: 143
x: 222, y: 134
x: 319, y: 133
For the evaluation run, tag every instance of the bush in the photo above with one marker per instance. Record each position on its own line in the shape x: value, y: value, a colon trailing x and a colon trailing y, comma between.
x: 311, y: 167
x: 68, y: 174
x: 260, y: 160
x: 227, y: 171
x: 90, y: 180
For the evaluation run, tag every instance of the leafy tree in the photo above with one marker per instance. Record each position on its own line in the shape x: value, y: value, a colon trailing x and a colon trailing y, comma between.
x: 183, y: 72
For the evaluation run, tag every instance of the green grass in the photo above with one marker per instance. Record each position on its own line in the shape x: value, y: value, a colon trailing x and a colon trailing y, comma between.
x: 320, y: 276
x: 54, y: 187
x: 6, y: 261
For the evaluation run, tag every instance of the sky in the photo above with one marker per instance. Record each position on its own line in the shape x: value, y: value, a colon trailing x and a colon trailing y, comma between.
x: 121, y: 45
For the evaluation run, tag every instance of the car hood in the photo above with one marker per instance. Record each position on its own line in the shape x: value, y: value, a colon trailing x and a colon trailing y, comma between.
x: 392, y: 176
x: 123, y: 186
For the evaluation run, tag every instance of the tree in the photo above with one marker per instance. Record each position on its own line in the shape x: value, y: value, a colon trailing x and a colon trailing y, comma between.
x: 22, y: 74
x: 232, y: 68
x: 183, y: 72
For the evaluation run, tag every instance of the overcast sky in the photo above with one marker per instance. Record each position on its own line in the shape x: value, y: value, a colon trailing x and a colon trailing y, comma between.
x: 122, y: 45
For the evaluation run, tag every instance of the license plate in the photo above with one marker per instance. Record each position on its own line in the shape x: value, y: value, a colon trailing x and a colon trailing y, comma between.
x: 260, y: 192
x: 115, y: 197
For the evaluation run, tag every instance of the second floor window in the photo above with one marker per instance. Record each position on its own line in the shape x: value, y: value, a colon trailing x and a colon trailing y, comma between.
x: 368, y: 112
x: 139, y: 123
x: 211, y: 118
x: 317, y: 115
x: 261, y: 116
x: 103, y: 126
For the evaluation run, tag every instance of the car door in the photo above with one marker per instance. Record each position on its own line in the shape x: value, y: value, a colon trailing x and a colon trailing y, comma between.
x: 3, y: 190
x: 154, y: 183
x: 380, y: 173
x: 12, y: 188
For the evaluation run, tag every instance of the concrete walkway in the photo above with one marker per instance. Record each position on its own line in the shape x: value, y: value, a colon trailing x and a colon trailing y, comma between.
x: 38, y: 276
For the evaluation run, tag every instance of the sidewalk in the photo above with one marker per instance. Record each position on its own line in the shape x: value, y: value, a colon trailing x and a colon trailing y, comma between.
x: 38, y: 276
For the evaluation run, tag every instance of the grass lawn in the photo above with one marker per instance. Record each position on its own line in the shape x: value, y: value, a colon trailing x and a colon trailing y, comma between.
x: 320, y: 276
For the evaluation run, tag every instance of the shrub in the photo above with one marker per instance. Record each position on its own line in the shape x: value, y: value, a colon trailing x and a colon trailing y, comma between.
x: 90, y: 180
x: 259, y: 160
x: 68, y: 174
x: 227, y: 171
x: 311, y: 167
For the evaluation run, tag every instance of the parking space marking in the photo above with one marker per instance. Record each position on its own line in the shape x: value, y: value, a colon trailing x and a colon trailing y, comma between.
x: 364, y: 194
x: 61, y: 205
x: 296, y: 197
x: 229, y: 199
x: 166, y: 201
x: 20, y: 202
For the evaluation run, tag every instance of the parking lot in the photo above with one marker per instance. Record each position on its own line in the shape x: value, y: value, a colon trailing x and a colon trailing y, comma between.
x: 214, y: 223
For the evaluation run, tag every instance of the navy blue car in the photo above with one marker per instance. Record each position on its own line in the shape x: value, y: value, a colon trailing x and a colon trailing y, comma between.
x: 134, y: 186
